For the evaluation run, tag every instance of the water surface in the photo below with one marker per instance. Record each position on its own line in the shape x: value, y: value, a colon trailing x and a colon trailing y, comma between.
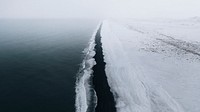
x: 39, y: 60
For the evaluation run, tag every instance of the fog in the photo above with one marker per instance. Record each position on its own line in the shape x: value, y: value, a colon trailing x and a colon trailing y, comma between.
x: 98, y: 8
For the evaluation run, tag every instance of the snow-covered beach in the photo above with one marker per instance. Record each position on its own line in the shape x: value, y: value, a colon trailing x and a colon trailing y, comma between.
x: 153, y: 65
x: 150, y: 66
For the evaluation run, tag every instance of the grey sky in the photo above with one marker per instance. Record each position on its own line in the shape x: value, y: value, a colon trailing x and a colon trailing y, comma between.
x: 98, y: 8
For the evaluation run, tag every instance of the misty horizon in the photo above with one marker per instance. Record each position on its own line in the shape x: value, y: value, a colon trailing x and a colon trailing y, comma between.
x: 99, y: 9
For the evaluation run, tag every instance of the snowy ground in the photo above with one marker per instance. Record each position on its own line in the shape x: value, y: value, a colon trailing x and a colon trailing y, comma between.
x: 153, y: 65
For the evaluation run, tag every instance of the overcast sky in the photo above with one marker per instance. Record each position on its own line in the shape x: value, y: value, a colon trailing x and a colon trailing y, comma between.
x: 98, y: 8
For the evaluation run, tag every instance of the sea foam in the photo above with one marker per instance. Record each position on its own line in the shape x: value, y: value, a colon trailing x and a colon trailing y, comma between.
x: 86, y: 98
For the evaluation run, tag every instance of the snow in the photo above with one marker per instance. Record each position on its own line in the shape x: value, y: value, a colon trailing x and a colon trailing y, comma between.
x: 153, y: 66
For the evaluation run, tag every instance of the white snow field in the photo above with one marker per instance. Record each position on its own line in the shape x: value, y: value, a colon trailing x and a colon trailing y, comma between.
x: 153, y: 65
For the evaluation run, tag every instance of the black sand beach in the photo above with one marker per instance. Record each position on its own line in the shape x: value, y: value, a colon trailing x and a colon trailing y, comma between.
x: 105, y: 101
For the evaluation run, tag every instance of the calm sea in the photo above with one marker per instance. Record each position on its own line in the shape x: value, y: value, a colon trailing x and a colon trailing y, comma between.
x: 39, y: 60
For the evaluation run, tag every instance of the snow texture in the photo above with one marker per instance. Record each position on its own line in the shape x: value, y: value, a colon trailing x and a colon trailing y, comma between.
x: 153, y: 65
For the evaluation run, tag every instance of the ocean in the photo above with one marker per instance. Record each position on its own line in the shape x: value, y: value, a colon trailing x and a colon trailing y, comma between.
x: 39, y: 61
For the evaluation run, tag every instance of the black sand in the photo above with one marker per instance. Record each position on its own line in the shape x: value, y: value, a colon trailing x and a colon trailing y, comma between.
x: 106, y: 101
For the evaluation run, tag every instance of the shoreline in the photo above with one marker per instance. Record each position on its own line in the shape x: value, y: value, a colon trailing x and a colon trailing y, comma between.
x: 105, y: 102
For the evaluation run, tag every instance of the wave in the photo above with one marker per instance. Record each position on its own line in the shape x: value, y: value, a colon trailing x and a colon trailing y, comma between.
x: 86, y: 99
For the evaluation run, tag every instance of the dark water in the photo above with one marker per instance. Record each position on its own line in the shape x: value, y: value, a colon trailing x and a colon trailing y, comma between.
x: 39, y: 60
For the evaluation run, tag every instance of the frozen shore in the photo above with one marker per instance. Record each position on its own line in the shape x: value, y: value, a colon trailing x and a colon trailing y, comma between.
x: 152, y: 66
